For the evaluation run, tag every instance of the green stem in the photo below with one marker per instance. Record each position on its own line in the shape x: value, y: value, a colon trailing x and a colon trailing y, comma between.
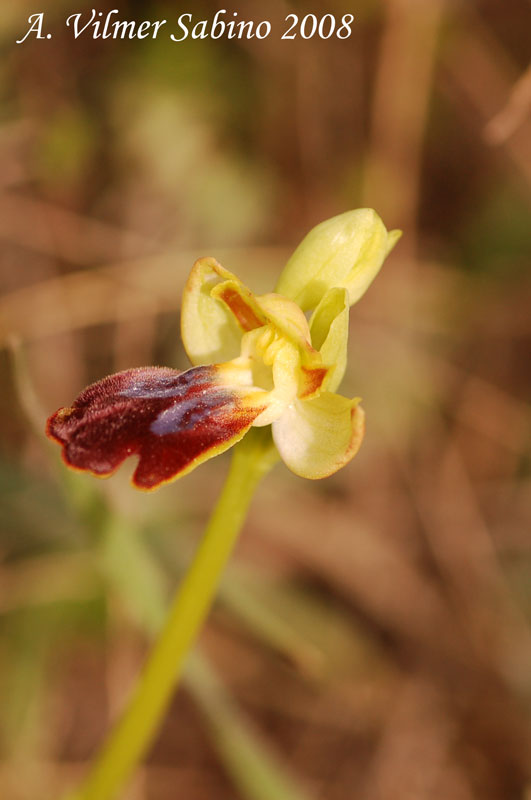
x: 135, y: 730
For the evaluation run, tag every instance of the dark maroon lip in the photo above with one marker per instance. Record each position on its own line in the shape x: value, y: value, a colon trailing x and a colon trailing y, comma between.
x: 171, y: 420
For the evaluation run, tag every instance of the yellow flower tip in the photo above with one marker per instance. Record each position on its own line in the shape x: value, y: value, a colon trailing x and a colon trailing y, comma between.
x: 392, y: 239
x: 344, y: 251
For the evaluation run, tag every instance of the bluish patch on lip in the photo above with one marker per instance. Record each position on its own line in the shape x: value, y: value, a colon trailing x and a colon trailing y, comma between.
x: 193, y: 411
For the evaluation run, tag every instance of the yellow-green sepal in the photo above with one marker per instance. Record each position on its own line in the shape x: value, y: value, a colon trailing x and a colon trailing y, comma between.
x: 317, y: 437
x: 345, y: 251
x: 210, y: 332
x: 329, y: 333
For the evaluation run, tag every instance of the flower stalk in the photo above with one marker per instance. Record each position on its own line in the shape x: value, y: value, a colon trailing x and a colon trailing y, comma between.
x: 134, y: 732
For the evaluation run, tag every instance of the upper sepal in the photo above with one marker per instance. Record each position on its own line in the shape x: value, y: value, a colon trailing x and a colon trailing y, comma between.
x: 344, y: 251
x: 172, y: 420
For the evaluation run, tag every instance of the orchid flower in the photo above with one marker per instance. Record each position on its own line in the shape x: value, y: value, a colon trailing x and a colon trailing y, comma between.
x: 257, y: 360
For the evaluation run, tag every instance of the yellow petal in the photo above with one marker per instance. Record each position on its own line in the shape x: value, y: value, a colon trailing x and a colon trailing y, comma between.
x: 209, y: 330
x: 345, y: 251
x: 319, y: 436
x: 329, y: 332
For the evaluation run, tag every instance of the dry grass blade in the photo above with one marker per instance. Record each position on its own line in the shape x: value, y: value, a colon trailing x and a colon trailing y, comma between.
x: 513, y: 114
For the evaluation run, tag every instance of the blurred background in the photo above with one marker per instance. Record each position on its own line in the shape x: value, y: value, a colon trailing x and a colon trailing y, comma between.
x: 371, y: 639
